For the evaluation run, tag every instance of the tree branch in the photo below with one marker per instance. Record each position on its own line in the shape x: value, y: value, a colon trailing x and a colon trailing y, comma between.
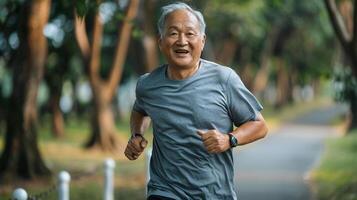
x: 122, y: 48
x: 94, y: 63
x: 338, y: 24
x: 261, y: 78
x: 81, y: 36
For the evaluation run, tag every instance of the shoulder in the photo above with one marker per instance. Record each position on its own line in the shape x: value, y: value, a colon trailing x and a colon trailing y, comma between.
x: 153, y: 76
x: 220, y: 71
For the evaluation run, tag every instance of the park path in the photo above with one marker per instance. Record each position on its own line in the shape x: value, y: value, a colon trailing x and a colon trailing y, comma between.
x: 277, y: 167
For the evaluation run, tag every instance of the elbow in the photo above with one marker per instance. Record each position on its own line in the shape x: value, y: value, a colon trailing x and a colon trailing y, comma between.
x: 263, y: 130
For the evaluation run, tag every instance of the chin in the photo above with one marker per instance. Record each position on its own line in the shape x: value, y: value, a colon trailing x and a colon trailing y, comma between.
x: 183, y: 63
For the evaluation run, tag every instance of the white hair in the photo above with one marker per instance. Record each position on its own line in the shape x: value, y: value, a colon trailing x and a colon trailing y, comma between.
x: 166, y: 10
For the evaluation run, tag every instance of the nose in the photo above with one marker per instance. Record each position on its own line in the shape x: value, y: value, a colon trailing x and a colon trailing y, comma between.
x: 181, y: 40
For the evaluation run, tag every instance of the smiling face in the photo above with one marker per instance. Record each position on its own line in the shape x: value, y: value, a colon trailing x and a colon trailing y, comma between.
x: 182, y: 41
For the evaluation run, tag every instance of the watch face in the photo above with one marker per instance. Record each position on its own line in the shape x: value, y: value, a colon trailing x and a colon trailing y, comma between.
x: 233, y: 141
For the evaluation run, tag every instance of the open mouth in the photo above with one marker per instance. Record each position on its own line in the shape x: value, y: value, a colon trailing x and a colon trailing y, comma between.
x: 181, y: 51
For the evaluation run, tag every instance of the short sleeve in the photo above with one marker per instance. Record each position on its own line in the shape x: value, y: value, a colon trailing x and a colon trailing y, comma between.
x: 242, y: 105
x: 139, y: 103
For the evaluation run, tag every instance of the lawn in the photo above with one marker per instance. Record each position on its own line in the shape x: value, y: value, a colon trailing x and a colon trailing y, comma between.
x: 336, y: 177
x: 85, y: 166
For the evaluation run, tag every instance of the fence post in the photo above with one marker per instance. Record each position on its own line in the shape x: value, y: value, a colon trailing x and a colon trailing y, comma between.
x: 19, y: 194
x: 109, y: 165
x: 148, y: 157
x: 63, y: 185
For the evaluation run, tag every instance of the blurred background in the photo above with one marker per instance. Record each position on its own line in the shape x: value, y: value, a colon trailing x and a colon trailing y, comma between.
x: 68, y: 71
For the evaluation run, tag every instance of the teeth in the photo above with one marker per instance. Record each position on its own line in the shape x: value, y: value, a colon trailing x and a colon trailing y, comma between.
x: 181, y: 51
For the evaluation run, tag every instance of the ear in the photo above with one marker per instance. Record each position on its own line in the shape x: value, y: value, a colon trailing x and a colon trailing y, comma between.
x: 203, y: 41
x: 159, y: 41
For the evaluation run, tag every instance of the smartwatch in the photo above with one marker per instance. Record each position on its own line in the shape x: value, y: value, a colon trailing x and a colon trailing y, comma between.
x: 233, y: 141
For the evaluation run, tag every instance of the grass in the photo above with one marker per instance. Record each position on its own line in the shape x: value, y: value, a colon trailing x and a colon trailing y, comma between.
x: 336, y: 177
x: 85, y: 166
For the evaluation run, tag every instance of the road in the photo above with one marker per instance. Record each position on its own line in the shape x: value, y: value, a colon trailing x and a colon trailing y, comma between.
x: 277, y: 167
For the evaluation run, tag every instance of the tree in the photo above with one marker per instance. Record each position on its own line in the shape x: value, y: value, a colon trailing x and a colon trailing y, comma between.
x: 347, y: 37
x: 149, y: 40
x: 21, y: 156
x: 103, y: 126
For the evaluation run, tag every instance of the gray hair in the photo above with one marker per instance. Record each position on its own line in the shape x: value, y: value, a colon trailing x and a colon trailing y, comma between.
x: 166, y: 10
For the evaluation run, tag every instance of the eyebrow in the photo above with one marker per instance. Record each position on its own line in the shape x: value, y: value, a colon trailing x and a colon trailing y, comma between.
x: 176, y: 27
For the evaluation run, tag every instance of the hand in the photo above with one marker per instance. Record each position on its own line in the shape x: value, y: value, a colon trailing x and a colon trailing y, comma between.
x: 214, y: 141
x: 135, y: 147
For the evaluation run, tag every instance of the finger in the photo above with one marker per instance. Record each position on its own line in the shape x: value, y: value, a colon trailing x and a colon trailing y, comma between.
x: 212, y: 150
x: 128, y: 151
x: 134, y: 150
x: 128, y: 155
x: 208, y: 143
x: 135, y: 143
x: 131, y: 155
x: 143, y: 143
x: 131, y: 158
x: 210, y: 147
x: 201, y: 132
x: 216, y: 148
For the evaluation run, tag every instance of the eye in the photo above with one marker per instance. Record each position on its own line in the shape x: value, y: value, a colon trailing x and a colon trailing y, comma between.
x: 190, y: 34
x: 173, y: 33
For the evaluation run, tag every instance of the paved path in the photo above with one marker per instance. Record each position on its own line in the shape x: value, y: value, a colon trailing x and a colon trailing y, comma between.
x: 276, y: 167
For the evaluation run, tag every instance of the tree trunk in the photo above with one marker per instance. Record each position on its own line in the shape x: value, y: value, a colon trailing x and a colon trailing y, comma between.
x: 282, y: 84
x: 103, y: 126
x: 345, y: 27
x: 103, y: 132
x: 54, y: 78
x: 262, y: 76
x: 226, y: 54
x: 151, y: 53
x: 149, y: 39
x: 247, y: 76
x: 21, y: 156
x: 57, y: 117
x: 353, y: 112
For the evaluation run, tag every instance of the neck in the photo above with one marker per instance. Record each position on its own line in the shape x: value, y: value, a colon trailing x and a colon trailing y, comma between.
x: 176, y: 73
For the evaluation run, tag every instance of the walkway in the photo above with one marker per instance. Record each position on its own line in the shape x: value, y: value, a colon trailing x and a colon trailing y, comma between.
x: 276, y: 167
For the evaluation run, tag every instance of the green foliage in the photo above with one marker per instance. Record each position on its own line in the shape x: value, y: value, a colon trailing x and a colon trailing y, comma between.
x: 304, y: 42
x: 83, y: 7
x: 345, y: 84
x: 336, y: 177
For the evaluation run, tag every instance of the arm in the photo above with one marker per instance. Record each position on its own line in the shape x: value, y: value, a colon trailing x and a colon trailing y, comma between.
x: 251, y: 131
x: 217, y: 142
x: 137, y: 143
x: 138, y: 123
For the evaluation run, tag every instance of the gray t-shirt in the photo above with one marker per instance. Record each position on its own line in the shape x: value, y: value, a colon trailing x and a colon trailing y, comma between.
x: 213, y: 98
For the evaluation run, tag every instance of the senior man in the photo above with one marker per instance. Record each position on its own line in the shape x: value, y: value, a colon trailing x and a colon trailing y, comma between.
x: 194, y: 105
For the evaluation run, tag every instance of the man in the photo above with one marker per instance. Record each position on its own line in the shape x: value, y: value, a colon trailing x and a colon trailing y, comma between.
x: 193, y: 105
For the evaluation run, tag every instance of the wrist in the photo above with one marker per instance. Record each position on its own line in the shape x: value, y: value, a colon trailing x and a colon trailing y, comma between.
x: 137, y: 135
x: 233, y: 141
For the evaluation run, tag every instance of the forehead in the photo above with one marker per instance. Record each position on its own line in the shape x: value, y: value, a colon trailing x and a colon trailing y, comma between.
x: 179, y: 18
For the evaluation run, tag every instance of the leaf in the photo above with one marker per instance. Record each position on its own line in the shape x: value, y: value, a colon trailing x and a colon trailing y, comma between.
x: 81, y: 8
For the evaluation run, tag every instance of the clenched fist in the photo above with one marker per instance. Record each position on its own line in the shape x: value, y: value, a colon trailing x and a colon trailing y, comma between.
x: 135, y: 147
x: 214, y: 141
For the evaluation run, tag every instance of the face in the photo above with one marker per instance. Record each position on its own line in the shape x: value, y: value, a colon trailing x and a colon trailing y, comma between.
x: 182, y: 41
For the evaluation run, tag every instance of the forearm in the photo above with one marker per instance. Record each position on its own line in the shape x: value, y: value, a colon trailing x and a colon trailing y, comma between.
x: 251, y: 131
x: 139, y: 122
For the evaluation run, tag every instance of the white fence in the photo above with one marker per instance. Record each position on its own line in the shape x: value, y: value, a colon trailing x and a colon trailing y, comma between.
x: 64, y: 178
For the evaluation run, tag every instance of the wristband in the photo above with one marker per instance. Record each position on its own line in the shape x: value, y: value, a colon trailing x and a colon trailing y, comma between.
x: 137, y: 135
x: 233, y: 141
